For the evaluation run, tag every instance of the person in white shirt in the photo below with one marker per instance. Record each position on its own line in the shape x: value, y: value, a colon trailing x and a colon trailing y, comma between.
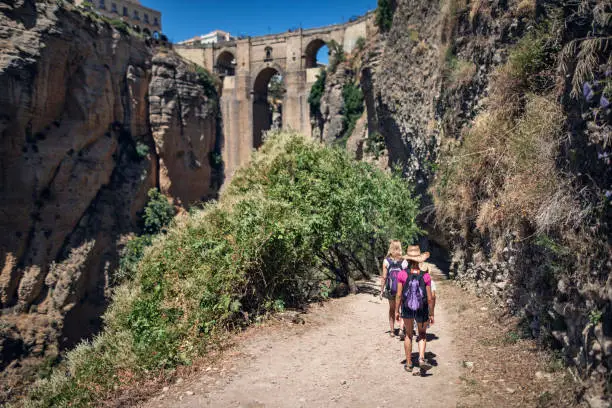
x: 392, y: 265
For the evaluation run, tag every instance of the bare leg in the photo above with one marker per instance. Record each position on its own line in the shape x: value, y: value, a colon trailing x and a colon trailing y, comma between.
x: 408, y: 342
x: 422, y: 338
x: 392, y: 316
x: 422, y: 328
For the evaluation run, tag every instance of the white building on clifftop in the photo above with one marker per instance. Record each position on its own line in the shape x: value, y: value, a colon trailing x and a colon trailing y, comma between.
x: 214, y: 37
x: 130, y: 11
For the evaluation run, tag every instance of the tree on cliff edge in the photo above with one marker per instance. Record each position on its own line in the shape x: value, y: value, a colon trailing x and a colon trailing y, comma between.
x: 384, y: 15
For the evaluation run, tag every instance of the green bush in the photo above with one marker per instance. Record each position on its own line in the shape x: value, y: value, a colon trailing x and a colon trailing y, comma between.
x: 360, y: 43
x: 142, y: 150
x: 353, y: 106
x: 131, y: 255
x: 337, y: 55
x: 528, y: 56
x: 299, y: 215
x: 276, y: 87
x: 375, y: 144
x: 384, y: 15
x: 158, y: 212
x: 208, y: 82
x: 316, y: 92
x: 120, y: 25
x: 216, y: 159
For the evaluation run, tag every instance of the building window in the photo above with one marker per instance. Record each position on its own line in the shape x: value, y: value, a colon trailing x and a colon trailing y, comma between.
x: 146, y: 18
x: 125, y: 12
x: 102, y: 5
x: 136, y: 17
x: 114, y: 7
x: 155, y: 22
x: 268, y: 53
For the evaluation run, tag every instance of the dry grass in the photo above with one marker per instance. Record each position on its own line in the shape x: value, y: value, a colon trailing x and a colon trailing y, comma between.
x: 421, y: 48
x: 504, y: 175
x: 461, y: 72
x: 526, y: 8
x: 500, y: 367
x: 505, y: 172
x: 506, y: 92
x: 450, y: 11
x: 479, y: 9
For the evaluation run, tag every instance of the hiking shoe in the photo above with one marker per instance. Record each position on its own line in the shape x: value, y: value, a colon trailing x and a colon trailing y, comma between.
x: 424, y: 365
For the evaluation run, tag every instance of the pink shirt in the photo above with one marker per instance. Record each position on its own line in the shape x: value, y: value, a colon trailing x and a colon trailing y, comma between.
x: 402, y: 277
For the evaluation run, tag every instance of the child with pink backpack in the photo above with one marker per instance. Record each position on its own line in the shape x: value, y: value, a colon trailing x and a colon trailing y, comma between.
x: 414, y: 302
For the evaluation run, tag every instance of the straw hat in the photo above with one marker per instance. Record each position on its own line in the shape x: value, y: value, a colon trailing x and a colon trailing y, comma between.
x: 413, y: 253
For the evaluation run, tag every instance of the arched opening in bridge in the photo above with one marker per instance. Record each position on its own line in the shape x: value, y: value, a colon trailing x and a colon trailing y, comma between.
x: 226, y: 64
x: 268, y: 96
x: 316, y: 54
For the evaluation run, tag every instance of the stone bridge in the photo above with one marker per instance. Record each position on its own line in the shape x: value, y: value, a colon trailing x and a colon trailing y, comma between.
x: 246, y: 67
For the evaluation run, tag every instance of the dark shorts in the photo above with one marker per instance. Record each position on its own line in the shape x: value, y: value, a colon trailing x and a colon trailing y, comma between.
x: 388, y: 295
x: 421, y: 315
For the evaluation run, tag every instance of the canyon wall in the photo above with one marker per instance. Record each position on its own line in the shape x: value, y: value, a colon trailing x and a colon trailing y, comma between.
x: 499, y: 113
x: 91, y: 118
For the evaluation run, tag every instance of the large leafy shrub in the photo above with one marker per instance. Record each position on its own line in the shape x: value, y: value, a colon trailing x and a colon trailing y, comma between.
x: 301, y: 213
x: 158, y: 212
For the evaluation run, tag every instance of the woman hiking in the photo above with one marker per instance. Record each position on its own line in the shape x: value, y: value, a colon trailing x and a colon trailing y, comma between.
x: 392, y: 266
x: 414, y: 302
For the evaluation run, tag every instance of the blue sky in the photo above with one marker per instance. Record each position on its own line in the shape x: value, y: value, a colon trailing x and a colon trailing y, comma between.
x: 184, y: 19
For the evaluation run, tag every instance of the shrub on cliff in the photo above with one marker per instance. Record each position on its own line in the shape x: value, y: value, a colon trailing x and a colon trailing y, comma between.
x: 336, y: 52
x: 157, y: 213
x: 384, y: 15
x: 316, y: 92
x: 352, y: 96
x: 299, y: 214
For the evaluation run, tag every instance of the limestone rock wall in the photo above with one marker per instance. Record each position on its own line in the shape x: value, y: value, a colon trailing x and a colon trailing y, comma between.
x: 332, y: 104
x: 424, y: 82
x: 90, y: 120
x: 401, y: 79
x: 182, y: 123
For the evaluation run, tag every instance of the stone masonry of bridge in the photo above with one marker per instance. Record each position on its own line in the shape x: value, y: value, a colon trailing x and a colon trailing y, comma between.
x: 246, y: 67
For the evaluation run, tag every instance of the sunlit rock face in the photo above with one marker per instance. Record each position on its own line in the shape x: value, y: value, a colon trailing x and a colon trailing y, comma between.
x: 90, y: 120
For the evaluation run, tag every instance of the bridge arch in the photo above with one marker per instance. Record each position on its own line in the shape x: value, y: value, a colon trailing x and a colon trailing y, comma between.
x: 253, y: 61
x: 226, y: 64
x: 265, y: 108
x: 310, y: 52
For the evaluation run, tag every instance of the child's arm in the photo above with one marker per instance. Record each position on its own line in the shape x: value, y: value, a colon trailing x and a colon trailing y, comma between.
x: 383, y: 278
x: 398, y: 299
x: 430, y: 303
x: 433, y: 296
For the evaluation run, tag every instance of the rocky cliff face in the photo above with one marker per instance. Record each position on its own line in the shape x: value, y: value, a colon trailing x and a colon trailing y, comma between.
x: 401, y: 79
x: 431, y: 80
x: 184, y: 126
x: 90, y: 120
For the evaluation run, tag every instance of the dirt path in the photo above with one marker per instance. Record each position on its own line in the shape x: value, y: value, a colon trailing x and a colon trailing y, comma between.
x: 342, y: 356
